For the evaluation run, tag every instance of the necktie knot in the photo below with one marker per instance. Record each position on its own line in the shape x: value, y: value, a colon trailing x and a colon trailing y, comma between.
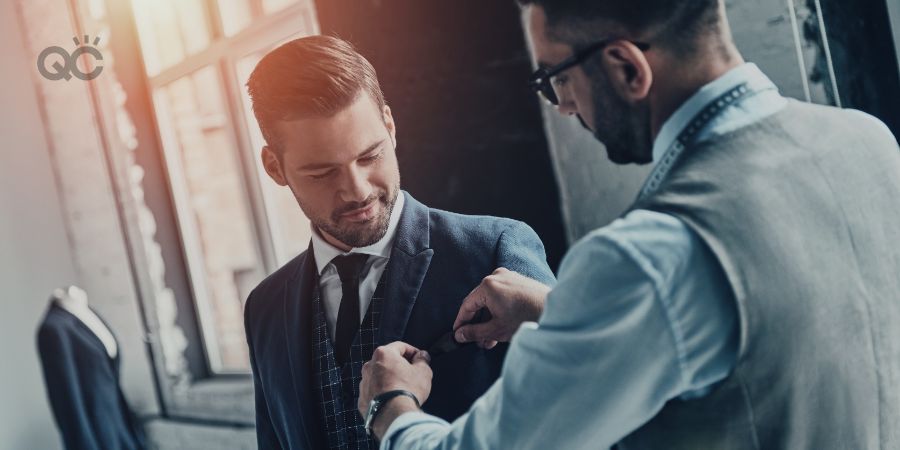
x: 349, y: 267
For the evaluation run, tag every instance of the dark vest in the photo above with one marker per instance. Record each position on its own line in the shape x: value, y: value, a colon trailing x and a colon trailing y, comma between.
x: 337, y: 387
x: 802, y: 210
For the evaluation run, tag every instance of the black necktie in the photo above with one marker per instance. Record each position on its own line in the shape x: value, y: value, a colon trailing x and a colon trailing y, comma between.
x: 349, y: 268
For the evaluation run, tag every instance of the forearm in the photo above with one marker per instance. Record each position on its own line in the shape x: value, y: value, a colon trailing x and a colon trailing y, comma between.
x: 394, y: 409
x: 419, y: 431
x: 478, y: 428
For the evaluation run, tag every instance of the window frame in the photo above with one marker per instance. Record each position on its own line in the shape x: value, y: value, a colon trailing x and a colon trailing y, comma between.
x: 214, y: 395
x: 894, y: 20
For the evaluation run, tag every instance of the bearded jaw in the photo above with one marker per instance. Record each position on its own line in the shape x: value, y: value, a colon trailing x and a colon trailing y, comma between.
x: 358, y: 235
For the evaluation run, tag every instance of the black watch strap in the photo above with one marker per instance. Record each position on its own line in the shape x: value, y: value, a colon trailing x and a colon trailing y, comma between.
x: 377, y: 405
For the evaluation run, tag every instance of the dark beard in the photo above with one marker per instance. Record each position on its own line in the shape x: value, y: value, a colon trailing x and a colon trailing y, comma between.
x: 361, y: 235
x: 622, y: 128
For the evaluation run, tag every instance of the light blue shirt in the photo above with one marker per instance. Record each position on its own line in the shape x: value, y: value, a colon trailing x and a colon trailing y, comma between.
x: 641, y: 314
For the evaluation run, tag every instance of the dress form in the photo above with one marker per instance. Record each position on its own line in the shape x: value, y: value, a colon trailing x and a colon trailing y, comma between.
x: 74, y: 300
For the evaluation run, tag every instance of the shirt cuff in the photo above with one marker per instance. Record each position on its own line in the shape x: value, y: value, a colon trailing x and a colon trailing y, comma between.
x: 406, y: 421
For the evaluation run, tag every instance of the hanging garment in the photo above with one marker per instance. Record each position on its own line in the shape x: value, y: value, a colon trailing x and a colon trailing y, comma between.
x: 83, y: 386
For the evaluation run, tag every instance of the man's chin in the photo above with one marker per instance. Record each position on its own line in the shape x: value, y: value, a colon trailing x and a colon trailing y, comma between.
x: 622, y: 156
x: 360, y: 233
x: 619, y: 158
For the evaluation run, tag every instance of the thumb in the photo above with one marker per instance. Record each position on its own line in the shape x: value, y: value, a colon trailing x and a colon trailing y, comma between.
x: 473, y: 303
x: 485, y: 331
x: 421, y: 357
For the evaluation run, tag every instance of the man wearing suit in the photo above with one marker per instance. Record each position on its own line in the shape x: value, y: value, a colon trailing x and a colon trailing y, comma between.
x: 380, y: 267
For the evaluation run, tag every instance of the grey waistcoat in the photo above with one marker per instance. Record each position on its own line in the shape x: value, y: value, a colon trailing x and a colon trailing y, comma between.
x: 802, y: 210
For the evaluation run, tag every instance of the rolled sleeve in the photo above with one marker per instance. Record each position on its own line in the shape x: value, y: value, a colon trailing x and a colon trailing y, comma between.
x: 411, y: 430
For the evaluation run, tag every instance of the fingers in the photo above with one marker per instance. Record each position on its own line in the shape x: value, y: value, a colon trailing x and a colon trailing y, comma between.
x: 485, y: 331
x: 395, y: 348
x: 390, y: 351
x: 421, y: 357
x: 470, y: 306
x: 487, y: 345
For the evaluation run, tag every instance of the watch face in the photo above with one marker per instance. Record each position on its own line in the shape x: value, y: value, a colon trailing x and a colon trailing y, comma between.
x: 373, y: 406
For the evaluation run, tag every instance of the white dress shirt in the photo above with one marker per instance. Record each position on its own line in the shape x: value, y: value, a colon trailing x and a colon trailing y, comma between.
x: 329, y: 281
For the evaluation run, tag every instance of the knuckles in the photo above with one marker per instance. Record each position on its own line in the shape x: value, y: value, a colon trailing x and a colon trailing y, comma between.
x: 491, y: 282
x: 379, y: 354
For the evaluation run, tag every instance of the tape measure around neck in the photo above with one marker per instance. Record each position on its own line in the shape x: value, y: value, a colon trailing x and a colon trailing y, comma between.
x: 688, y: 136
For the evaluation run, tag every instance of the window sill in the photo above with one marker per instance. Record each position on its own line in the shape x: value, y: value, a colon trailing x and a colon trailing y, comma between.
x: 226, y: 400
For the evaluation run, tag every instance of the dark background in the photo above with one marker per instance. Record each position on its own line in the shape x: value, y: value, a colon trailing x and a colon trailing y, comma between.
x: 864, y: 56
x: 470, y: 134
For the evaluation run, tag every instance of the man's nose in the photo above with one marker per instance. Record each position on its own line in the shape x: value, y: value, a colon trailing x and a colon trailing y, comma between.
x: 566, y: 107
x: 356, y: 186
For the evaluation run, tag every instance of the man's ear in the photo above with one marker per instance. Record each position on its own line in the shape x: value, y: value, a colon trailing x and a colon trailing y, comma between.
x: 628, y: 70
x: 389, y: 124
x: 272, y: 164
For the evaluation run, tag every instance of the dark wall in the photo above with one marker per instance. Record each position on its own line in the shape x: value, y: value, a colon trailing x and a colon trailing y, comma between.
x: 470, y: 134
x: 864, y: 56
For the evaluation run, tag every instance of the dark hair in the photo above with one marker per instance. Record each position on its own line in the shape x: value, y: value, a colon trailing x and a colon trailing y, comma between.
x: 669, y: 23
x: 314, y: 76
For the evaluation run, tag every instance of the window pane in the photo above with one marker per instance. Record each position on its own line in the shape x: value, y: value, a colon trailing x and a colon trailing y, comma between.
x: 169, y: 30
x: 236, y: 15
x: 212, y: 208
x: 270, y: 6
x: 289, y: 226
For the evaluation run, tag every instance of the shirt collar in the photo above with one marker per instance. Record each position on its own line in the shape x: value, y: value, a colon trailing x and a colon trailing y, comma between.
x: 745, y: 73
x: 325, y: 252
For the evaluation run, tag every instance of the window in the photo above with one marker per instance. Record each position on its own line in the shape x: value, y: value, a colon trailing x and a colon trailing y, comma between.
x: 235, y: 224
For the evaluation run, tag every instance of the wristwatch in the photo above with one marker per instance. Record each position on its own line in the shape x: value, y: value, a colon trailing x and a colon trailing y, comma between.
x: 377, y: 404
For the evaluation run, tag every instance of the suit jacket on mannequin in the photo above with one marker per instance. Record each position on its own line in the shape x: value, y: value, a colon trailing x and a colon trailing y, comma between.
x: 83, y: 386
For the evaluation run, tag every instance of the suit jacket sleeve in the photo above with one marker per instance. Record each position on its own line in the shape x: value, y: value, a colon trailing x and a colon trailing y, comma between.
x: 265, y: 432
x: 520, y: 249
x: 65, y: 391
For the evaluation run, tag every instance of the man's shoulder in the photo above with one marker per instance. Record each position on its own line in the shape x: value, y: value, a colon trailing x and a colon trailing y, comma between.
x: 477, y: 224
x: 838, y: 121
x: 654, y: 240
x: 464, y: 228
x: 273, y: 285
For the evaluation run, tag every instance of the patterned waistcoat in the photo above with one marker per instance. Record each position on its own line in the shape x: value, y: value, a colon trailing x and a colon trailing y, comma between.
x: 337, y: 388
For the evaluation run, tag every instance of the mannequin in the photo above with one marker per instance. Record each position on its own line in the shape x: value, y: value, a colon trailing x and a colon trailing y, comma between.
x: 74, y: 300
x: 80, y: 360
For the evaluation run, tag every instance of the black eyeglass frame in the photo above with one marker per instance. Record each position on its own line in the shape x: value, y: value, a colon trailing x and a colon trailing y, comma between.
x: 540, y: 82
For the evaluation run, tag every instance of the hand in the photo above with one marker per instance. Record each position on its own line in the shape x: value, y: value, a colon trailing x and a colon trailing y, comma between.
x: 511, y: 298
x: 394, y: 366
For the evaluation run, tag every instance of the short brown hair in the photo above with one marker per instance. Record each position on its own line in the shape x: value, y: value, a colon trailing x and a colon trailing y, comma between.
x: 314, y: 76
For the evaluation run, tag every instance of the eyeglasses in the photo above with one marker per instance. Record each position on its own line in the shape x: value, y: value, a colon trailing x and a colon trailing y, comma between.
x: 541, y: 81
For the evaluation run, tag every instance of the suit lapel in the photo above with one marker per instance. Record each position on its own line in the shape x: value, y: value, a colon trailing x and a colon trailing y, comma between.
x: 82, y: 329
x: 406, y: 270
x: 117, y: 360
x: 298, y: 333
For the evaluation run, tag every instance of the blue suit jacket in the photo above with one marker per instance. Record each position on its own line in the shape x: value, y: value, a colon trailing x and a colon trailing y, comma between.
x: 437, y: 259
x: 83, y: 386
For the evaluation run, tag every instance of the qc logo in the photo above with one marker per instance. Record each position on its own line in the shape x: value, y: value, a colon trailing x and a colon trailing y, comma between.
x: 69, y: 66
